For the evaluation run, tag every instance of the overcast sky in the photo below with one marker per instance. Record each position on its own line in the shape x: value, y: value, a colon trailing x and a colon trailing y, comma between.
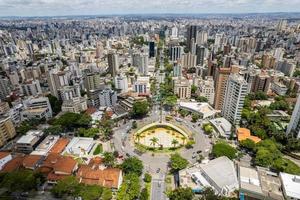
x: 103, y: 7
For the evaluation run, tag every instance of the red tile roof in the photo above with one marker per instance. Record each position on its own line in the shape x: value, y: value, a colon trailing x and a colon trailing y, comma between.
x: 60, y: 145
x: 4, y: 154
x: 108, y: 177
x: 58, y: 164
x: 14, y: 164
x: 31, y: 161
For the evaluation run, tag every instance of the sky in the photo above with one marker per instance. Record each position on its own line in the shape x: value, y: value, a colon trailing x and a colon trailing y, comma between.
x: 106, y: 7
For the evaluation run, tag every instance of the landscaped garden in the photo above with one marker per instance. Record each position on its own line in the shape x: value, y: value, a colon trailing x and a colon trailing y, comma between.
x: 161, y: 136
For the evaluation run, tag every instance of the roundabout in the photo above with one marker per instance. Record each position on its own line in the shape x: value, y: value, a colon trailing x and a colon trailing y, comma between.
x: 161, y: 135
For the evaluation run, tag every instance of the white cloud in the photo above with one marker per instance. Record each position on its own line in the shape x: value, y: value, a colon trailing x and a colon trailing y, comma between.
x: 70, y: 7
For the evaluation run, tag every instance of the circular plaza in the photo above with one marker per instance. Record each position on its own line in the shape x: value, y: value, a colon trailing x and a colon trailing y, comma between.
x: 161, y: 135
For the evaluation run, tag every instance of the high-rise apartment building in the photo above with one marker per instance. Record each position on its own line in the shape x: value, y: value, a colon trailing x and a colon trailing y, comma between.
x: 191, y: 37
x: 294, y: 125
x: 236, y: 91
x: 222, y: 75
x: 7, y: 130
x: 113, y: 63
x: 182, y: 88
x: 57, y: 79
x: 200, y: 52
x: 202, y: 38
x: 5, y: 88
x: 140, y: 60
x: 206, y: 89
x: 175, y: 53
x: 189, y: 60
x: 107, y: 98
x: 31, y: 88
x: 121, y: 83
x: 92, y: 81
x: 151, y: 49
x: 261, y: 83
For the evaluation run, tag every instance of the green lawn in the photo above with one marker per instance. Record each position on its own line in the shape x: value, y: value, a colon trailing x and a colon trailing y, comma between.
x: 98, y: 150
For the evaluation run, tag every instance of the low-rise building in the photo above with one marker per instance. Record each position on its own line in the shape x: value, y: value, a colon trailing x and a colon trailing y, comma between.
x: 46, y: 145
x: 222, y: 125
x: 203, y: 109
x: 59, y: 146
x: 57, y: 167
x: 259, y: 183
x: 279, y: 88
x: 223, y: 182
x: 5, y: 157
x: 80, y: 146
x: 244, y: 133
x: 36, y: 108
x: 27, y: 143
x: 96, y: 174
x: 32, y: 161
x: 75, y: 105
x: 290, y: 186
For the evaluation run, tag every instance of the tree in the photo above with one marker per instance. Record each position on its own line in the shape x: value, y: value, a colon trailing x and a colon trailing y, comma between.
x: 195, y: 117
x: 23, y: 128
x: 134, y: 125
x: 91, y: 132
x: 193, y: 89
x: 183, y: 112
x: 109, y: 159
x: 208, y: 129
x: 66, y: 186
x: 53, y: 130
x: 154, y: 141
x: 140, y: 109
x: 248, y: 144
x: 224, y: 149
x: 55, y: 104
x: 107, y: 194
x: 201, y: 99
x: 130, y: 188
x: 174, y: 142
x: 70, y: 121
x: 209, y: 194
x: 144, y: 194
x: 177, y: 162
x: 90, y: 192
x: 147, y: 178
x: 20, y: 181
x: 132, y: 165
x: 170, y: 101
x: 181, y: 193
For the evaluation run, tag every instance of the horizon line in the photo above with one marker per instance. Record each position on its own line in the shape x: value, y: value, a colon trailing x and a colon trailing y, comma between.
x: 149, y: 14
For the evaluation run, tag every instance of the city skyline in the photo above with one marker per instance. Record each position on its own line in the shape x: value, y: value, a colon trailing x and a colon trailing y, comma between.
x: 100, y: 7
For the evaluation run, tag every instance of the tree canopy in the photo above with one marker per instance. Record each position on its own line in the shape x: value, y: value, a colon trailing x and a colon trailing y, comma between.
x: 181, y: 193
x: 140, y: 109
x: 130, y: 188
x: 71, y: 121
x: 132, y: 165
x: 177, y: 162
x: 224, y: 149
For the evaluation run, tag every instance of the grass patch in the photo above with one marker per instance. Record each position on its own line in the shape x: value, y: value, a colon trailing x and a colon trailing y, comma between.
x: 98, y: 150
x: 148, y: 187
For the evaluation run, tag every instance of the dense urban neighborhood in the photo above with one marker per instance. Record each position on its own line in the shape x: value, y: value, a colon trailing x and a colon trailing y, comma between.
x: 160, y: 107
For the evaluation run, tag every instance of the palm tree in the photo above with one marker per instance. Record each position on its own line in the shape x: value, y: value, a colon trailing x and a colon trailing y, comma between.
x: 183, y: 139
x: 174, y: 142
x: 138, y: 137
x: 154, y: 141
